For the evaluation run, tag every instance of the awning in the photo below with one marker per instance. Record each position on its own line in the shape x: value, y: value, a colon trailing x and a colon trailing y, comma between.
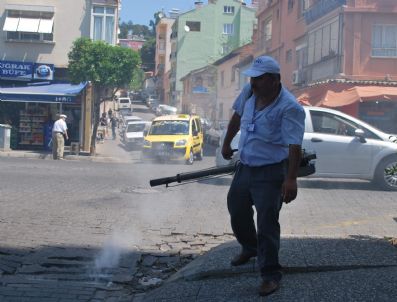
x: 45, y: 26
x: 51, y: 93
x: 358, y: 94
x: 33, y: 25
x: 351, y: 95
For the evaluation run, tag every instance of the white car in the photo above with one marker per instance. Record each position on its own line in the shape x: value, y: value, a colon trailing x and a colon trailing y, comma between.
x: 346, y: 147
x: 134, y: 132
x: 127, y: 119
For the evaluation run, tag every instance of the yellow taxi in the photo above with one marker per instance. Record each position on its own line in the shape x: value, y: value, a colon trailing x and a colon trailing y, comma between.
x: 177, y: 136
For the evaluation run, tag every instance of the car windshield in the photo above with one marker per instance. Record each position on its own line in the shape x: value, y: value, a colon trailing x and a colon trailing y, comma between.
x: 124, y: 101
x: 135, y: 127
x: 169, y: 128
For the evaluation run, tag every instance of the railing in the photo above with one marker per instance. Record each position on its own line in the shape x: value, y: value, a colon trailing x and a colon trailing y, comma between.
x: 321, y: 8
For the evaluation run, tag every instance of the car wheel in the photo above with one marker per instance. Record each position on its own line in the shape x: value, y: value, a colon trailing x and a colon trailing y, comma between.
x: 200, y: 155
x: 190, y: 159
x: 386, y: 174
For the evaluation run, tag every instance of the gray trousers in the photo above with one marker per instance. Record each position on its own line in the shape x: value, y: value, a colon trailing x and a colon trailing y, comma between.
x: 259, y: 187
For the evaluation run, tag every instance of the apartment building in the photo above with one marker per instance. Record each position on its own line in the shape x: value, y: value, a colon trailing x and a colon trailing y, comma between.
x: 205, y: 34
x: 335, y: 53
x: 34, y: 44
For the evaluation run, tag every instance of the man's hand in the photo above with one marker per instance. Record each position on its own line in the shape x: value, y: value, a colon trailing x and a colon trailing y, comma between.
x: 227, y: 152
x: 289, y: 190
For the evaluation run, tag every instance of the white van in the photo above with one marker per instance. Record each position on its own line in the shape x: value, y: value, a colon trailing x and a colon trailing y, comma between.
x: 124, y: 103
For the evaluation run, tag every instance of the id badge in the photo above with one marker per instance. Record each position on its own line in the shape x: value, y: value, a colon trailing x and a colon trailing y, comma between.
x: 251, y: 127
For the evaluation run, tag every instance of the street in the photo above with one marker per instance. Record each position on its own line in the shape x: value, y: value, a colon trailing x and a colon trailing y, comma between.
x: 84, y: 231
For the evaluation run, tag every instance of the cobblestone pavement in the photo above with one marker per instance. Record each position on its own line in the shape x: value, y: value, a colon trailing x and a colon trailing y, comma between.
x: 86, y: 231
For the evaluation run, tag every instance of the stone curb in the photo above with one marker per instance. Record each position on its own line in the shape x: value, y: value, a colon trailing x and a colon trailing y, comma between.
x: 46, y: 156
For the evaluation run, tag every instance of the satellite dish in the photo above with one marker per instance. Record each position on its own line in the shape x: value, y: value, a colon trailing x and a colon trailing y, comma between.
x: 187, y: 28
x: 161, y: 15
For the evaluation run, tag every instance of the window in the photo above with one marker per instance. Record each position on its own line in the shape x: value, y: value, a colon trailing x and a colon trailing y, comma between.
x: 384, y: 40
x: 301, y: 56
x: 194, y: 25
x: 328, y: 123
x: 323, y: 42
x: 266, y: 32
x: 225, y: 49
x: 228, y: 9
x: 103, y: 24
x: 29, y: 25
x: 228, y: 29
x: 290, y: 5
x: 303, y: 6
x: 222, y: 78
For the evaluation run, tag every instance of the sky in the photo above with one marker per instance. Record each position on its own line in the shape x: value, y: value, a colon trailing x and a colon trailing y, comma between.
x: 142, y: 11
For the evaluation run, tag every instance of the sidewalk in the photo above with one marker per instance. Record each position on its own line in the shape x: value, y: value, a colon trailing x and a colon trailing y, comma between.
x: 108, y: 151
x: 315, y: 269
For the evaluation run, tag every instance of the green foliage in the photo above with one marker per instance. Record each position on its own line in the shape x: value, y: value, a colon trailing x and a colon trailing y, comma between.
x: 137, y: 79
x: 148, y: 52
x: 102, y: 64
x: 137, y: 29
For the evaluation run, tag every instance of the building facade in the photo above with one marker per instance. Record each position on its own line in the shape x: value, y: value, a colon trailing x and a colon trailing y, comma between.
x: 162, y: 57
x: 205, y: 34
x: 34, y: 44
x: 329, y: 47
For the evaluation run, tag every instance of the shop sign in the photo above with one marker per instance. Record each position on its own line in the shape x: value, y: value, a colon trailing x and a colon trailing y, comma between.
x: 12, y: 70
x: 26, y: 71
x: 43, y: 71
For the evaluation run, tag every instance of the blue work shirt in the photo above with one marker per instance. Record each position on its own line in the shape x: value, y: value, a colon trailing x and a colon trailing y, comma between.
x: 277, y: 126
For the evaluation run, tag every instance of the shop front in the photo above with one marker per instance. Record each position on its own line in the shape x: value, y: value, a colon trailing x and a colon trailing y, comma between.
x: 377, y: 105
x: 32, y: 109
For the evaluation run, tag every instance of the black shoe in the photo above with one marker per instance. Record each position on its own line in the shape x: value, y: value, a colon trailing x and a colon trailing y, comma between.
x: 268, y: 287
x: 242, y: 258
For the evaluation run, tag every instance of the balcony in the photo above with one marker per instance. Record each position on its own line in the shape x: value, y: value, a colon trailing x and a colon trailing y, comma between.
x: 321, y: 8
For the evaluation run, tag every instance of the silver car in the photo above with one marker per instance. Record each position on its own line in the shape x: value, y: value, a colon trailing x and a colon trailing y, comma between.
x: 346, y: 147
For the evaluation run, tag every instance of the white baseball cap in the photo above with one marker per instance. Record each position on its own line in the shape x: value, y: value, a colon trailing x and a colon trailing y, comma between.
x: 63, y: 116
x: 262, y: 65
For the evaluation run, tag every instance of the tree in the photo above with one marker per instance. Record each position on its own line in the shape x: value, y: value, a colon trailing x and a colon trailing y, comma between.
x: 137, y: 29
x: 107, y: 67
x: 148, y: 52
x: 137, y: 79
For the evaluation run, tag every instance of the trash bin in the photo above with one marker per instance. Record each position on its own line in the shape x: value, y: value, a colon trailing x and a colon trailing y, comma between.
x: 74, y: 148
x: 5, y: 134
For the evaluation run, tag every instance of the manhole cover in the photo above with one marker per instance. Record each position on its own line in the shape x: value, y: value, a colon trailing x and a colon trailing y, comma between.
x: 139, y: 190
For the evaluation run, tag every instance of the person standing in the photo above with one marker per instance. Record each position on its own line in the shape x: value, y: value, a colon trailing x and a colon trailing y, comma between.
x: 272, y: 126
x: 114, y: 124
x: 59, y: 134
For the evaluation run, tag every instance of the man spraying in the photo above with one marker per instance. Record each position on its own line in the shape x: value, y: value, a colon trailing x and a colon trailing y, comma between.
x: 272, y: 126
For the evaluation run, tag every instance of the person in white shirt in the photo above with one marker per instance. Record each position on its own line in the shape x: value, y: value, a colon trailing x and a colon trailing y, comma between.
x: 59, y: 133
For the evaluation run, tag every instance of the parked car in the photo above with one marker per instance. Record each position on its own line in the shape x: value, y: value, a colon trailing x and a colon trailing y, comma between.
x: 163, y: 109
x: 174, y: 137
x: 134, y: 133
x: 124, y: 103
x: 125, y: 120
x: 152, y: 98
x: 346, y: 147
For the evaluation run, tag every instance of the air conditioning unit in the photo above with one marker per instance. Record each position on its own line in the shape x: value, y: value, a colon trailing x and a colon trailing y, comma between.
x: 297, y: 77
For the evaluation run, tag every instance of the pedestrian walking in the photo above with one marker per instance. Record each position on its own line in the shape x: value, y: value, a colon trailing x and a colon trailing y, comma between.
x: 59, y: 134
x: 114, y: 125
x: 110, y: 113
x: 272, y: 125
